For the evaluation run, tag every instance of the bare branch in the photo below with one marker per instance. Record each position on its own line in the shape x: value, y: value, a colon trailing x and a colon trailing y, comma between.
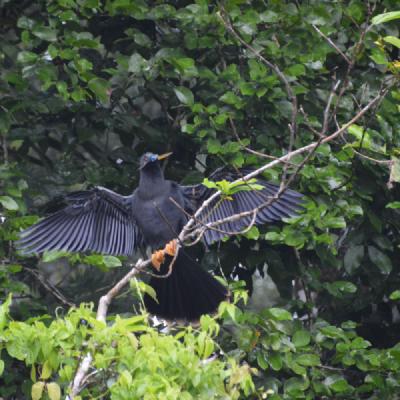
x: 248, y: 149
x: 211, y: 226
x: 328, y: 107
x: 50, y: 287
x: 332, y: 44
x: 228, y: 25
x: 76, y: 384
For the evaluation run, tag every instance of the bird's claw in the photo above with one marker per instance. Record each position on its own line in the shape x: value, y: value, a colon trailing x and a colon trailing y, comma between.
x: 157, y: 258
x: 170, y: 248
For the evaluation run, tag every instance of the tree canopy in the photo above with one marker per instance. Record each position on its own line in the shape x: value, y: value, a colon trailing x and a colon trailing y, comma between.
x: 307, y: 89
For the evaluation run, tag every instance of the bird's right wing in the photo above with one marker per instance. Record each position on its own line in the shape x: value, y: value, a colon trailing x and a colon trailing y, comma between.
x: 99, y: 220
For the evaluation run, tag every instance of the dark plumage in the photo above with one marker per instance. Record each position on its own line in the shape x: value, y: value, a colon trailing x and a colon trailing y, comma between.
x: 103, y: 221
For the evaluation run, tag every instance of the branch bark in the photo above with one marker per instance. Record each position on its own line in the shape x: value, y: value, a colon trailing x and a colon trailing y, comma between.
x: 104, y: 302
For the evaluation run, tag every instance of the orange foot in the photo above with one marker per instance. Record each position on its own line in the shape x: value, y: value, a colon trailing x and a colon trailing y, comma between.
x: 158, y: 257
x: 170, y: 248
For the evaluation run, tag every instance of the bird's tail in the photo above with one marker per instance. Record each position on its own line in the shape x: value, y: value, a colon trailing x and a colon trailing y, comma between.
x: 187, y: 293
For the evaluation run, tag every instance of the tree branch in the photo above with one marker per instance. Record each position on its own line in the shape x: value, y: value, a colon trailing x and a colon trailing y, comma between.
x: 332, y: 44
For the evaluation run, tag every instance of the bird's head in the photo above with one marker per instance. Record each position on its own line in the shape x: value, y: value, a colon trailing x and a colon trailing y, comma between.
x: 151, y: 159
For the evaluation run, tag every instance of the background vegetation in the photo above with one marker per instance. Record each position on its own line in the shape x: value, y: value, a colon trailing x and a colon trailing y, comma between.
x: 87, y: 86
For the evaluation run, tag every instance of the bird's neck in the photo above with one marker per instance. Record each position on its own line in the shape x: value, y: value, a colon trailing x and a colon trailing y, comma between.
x: 151, y: 180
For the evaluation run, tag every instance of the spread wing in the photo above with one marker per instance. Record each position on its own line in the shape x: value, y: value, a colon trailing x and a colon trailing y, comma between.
x: 287, y: 205
x: 99, y: 220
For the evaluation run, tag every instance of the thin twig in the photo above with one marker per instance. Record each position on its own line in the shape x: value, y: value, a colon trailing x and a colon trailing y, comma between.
x: 328, y: 107
x: 51, y: 288
x: 248, y: 149
x: 332, y: 44
x: 292, y: 97
x: 356, y: 51
x: 210, y: 227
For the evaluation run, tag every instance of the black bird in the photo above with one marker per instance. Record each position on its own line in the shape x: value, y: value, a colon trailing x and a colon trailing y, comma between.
x: 106, y: 222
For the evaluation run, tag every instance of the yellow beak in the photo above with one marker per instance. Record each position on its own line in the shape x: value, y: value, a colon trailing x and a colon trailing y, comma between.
x: 165, y: 155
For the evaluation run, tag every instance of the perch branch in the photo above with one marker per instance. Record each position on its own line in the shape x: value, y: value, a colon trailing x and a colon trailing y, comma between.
x: 104, y: 302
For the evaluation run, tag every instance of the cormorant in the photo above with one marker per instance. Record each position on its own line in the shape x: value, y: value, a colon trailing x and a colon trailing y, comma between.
x: 106, y: 222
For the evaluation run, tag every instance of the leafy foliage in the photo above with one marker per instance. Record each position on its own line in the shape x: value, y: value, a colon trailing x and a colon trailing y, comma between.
x: 88, y: 86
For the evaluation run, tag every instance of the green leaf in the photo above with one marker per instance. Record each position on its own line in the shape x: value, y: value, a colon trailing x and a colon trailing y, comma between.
x: 380, y: 259
x: 1, y: 367
x: 46, y: 371
x: 395, y: 41
x: 136, y: 63
x: 379, y: 56
x: 37, y: 390
x: 261, y: 361
x: 273, y: 236
x: 253, y: 233
x: 111, y: 261
x: 395, y: 295
x: 332, y: 332
x: 295, y: 387
x: 25, y: 23
x: 231, y: 98
x: 293, y: 238
x: 4, y: 310
x: 5, y: 121
x: 143, y: 287
x: 279, y: 314
x: 102, y: 261
x: 275, y: 361
x: 301, y: 338
x: 394, y: 171
x: 308, y: 360
x: 335, y: 222
x: 184, y: 95
x: 54, y: 391
x: 296, y: 70
x: 45, y: 33
x: 353, y: 258
x: 230, y: 309
x: 386, y: 17
x: 184, y: 64
x: 142, y: 40
x: 393, y: 204
x: 337, y: 288
x: 8, y: 203
x: 27, y: 57
x: 340, y: 386
x: 52, y: 255
x: 62, y: 88
x: 213, y: 146
x: 100, y: 87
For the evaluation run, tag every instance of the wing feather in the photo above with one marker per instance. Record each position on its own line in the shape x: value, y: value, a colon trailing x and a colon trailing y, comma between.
x: 99, y: 220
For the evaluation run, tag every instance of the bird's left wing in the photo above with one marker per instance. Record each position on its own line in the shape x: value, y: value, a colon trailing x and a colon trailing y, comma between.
x: 99, y: 220
x: 287, y: 205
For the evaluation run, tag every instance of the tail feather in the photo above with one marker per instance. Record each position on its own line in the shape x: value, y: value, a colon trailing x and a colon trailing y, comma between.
x: 187, y: 293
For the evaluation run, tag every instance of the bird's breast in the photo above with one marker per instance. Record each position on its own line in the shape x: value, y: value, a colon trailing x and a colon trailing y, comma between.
x: 158, y: 218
